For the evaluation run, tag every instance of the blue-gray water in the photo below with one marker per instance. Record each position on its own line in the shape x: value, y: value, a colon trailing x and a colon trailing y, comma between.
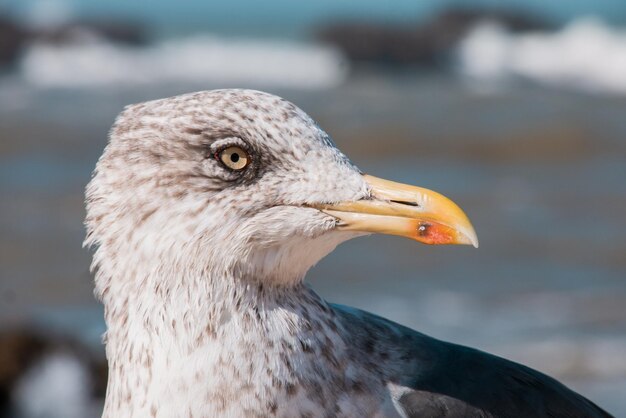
x: 540, y: 173
x: 284, y: 17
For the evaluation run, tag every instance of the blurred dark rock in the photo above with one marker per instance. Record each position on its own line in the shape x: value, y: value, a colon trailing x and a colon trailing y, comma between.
x: 426, y: 45
x: 14, y: 36
x: 129, y: 33
x: 459, y: 20
x: 24, y: 348
x: 12, y: 39
x: 374, y: 43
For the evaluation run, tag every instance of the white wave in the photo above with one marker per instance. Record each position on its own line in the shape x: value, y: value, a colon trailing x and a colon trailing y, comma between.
x: 56, y: 387
x: 585, y: 55
x: 93, y: 62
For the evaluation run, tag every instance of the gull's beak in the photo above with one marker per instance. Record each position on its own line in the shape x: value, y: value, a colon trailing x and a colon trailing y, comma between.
x: 408, y: 211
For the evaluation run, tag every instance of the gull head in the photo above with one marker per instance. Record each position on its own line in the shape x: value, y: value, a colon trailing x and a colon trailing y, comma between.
x: 241, y: 185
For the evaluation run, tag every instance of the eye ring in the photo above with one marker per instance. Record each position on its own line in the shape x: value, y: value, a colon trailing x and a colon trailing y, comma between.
x: 233, y: 157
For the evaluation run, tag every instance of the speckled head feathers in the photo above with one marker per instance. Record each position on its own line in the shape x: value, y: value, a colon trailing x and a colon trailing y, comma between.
x: 161, y: 202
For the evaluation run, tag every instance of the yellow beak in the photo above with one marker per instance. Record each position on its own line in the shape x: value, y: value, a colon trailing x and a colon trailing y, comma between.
x: 408, y: 211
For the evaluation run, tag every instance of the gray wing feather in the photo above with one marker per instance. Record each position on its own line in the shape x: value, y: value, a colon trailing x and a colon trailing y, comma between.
x: 453, y: 381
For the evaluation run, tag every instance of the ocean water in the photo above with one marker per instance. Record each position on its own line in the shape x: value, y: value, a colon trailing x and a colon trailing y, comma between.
x: 283, y: 17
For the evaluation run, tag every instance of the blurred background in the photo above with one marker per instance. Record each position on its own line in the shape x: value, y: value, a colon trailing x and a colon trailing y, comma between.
x: 514, y: 108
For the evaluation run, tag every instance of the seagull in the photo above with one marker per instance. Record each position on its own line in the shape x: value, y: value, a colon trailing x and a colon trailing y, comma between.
x: 205, y: 211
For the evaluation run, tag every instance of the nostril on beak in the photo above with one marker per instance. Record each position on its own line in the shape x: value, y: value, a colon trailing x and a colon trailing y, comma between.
x: 402, y: 202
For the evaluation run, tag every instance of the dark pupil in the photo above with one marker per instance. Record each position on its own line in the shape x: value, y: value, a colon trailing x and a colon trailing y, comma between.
x: 234, y: 157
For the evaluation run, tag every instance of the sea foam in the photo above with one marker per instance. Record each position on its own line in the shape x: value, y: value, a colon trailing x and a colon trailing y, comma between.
x: 586, y: 55
x: 93, y: 62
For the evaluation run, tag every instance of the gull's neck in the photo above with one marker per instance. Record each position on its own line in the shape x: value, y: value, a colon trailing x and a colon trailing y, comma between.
x: 211, y: 346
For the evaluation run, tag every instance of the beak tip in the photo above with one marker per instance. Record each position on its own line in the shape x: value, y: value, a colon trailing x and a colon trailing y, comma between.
x: 474, y: 240
x: 470, y: 238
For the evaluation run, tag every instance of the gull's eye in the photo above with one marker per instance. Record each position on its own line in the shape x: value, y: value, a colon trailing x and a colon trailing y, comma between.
x: 234, y: 158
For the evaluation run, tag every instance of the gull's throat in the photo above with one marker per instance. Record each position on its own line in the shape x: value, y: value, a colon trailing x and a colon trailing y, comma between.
x: 181, y: 353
